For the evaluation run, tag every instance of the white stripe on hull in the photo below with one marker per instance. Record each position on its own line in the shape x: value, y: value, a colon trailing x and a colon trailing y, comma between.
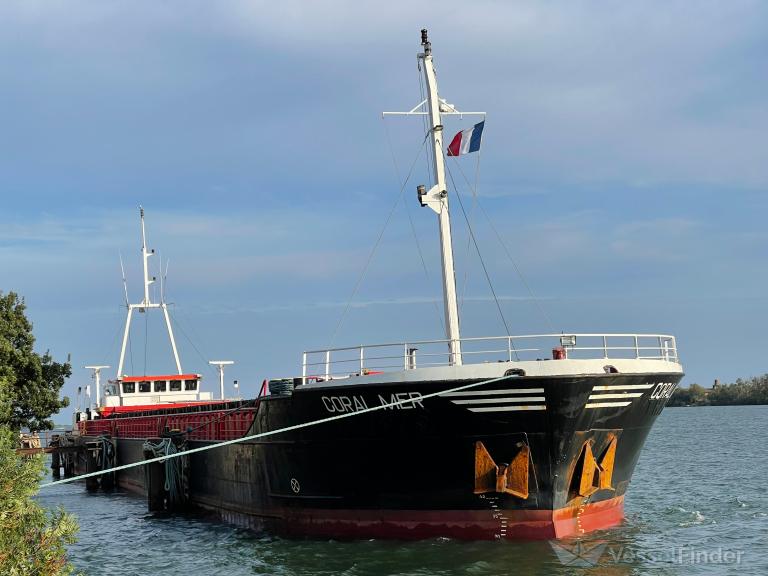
x: 500, y: 400
x: 508, y: 408
x: 625, y: 395
x: 624, y: 387
x: 494, y: 392
x: 606, y: 404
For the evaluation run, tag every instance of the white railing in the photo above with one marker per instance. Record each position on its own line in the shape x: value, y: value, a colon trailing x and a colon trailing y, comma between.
x: 356, y: 360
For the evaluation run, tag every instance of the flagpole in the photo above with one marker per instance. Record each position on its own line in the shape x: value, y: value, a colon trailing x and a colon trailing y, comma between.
x: 441, y: 205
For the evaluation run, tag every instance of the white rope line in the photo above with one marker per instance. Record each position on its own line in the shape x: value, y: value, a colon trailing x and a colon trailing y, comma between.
x: 270, y: 433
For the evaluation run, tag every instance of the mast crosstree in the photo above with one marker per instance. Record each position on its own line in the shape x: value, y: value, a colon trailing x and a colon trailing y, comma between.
x: 436, y: 197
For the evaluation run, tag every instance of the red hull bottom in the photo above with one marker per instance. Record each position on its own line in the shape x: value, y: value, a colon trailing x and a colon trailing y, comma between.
x: 490, y: 524
x: 459, y: 524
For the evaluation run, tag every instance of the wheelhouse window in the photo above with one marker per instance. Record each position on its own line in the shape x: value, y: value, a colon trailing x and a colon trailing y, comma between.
x: 145, y: 386
x: 175, y: 385
x: 190, y: 384
x: 129, y: 387
x: 160, y: 386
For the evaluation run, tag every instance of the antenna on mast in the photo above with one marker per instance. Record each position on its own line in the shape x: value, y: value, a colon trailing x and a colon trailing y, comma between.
x: 160, y: 262
x: 163, y: 280
x: 425, y: 42
x: 125, y: 283
x: 145, y: 253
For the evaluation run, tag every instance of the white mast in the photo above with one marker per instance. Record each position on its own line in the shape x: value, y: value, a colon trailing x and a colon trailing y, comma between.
x: 437, y: 196
x: 147, y: 303
x: 97, y: 377
x: 220, y: 365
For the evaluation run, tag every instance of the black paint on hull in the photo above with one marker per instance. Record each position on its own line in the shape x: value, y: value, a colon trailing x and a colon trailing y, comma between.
x: 410, y: 471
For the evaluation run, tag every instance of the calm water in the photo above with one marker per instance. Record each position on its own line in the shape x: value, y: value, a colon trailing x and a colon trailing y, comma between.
x: 697, y: 505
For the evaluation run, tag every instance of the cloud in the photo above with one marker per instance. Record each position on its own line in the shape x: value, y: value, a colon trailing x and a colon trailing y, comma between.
x: 168, y: 92
x: 216, y: 256
x: 658, y: 240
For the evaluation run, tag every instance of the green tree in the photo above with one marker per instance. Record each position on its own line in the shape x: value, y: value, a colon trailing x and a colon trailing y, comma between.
x: 698, y: 395
x: 739, y: 393
x: 32, y: 539
x: 691, y: 396
x: 33, y: 381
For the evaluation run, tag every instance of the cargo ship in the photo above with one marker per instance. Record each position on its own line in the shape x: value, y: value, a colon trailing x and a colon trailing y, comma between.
x: 540, y: 441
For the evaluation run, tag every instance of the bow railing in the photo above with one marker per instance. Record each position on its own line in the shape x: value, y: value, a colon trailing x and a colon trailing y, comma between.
x: 377, y: 358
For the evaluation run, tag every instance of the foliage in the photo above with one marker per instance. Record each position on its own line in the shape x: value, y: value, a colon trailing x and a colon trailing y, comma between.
x: 33, y: 380
x: 693, y: 396
x: 32, y: 539
x: 751, y: 391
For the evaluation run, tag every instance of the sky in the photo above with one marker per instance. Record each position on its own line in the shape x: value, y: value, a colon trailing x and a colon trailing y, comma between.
x: 623, y: 164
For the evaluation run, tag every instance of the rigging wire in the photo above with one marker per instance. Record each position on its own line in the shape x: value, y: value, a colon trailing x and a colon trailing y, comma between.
x: 469, y: 239
x: 440, y: 318
x: 534, y: 298
x: 475, y: 202
x: 244, y: 404
x: 480, y: 256
x: 413, y: 227
x: 178, y: 325
x: 111, y: 348
x: 475, y: 195
x: 375, y: 246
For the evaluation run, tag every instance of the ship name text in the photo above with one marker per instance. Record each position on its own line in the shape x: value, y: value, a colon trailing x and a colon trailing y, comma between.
x: 398, y: 401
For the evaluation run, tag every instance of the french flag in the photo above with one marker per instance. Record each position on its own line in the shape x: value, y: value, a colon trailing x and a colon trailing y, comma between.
x: 466, y: 141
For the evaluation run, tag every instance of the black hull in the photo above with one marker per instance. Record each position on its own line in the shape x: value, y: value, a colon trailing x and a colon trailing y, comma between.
x: 410, y: 471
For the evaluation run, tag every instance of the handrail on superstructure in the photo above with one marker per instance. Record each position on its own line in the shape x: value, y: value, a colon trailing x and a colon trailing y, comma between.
x: 403, y: 355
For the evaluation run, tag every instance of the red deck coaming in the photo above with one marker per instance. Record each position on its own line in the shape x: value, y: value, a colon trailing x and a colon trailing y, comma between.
x: 161, y: 377
x: 107, y: 411
x: 215, y: 425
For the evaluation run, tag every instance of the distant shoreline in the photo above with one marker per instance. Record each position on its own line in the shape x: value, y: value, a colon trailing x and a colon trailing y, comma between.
x: 751, y: 392
x: 709, y: 405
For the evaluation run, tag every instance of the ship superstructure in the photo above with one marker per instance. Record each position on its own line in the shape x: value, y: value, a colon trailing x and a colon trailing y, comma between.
x: 126, y: 393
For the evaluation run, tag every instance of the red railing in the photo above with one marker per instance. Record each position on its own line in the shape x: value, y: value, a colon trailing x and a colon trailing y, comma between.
x: 211, y: 425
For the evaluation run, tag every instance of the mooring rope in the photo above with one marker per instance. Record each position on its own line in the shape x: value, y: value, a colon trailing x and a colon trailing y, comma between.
x: 272, y: 432
x: 173, y: 479
x: 105, y: 453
